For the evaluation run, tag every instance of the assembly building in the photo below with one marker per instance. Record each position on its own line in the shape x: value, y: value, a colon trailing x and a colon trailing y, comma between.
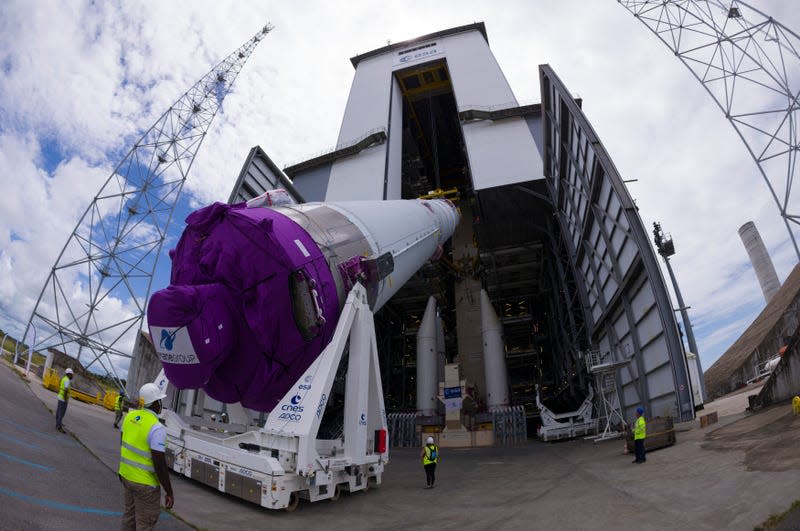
x: 548, y: 229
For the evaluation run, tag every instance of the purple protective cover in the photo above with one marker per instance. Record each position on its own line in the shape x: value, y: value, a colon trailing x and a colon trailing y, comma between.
x: 230, y: 289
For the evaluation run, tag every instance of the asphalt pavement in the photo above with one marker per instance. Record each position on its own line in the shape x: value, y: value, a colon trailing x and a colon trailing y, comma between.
x: 50, y: 480
x: 732, y: 475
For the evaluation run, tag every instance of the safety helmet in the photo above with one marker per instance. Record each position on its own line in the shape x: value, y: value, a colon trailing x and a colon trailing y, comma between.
x: 429, y: 441
x: 150, y: 392
x: 640, y: 410
x: 68, y: 371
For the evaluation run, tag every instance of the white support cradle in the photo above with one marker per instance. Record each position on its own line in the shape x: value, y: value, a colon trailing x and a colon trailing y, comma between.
x: 277, y: 465
x: 566, y: 425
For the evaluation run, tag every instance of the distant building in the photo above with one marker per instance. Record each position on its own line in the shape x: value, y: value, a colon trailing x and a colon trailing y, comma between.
x: 83, y: 380
x: 762, y: 340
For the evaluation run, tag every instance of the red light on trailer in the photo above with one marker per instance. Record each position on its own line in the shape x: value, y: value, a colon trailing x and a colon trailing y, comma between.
x: 380, y: 441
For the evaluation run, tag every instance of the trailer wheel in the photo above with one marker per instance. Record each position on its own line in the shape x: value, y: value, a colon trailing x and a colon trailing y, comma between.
x: 294, y: 501
x: 337, y: 492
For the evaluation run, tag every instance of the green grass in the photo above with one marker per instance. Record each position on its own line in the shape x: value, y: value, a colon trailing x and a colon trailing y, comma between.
x: 775, y: 519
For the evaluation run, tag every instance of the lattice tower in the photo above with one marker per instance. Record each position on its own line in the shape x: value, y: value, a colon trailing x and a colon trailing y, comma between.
x: 750, y: 65
x: 111, y: 256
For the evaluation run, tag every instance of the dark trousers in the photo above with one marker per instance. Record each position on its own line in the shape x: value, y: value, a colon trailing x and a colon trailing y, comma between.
x: 639, y: 444
x: 117, y: 417
x: 61, y: 410
x: 430, y: 473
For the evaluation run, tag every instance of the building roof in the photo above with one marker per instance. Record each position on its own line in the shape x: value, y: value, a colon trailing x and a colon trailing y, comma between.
x: 741, y: 350
x: 477, y: 26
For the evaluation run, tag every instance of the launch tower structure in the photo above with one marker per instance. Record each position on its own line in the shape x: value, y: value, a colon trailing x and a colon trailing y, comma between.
x: 110, y: 258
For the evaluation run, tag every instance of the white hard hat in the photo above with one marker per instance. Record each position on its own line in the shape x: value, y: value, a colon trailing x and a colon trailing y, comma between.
x: 68, y: 371
x: 430, y: 440
x: 150, y: 392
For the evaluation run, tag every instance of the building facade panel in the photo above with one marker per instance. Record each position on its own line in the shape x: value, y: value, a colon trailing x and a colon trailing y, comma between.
x: 653, y: 340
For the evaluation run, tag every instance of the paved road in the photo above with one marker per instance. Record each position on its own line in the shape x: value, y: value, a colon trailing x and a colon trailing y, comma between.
x: 49, y: 480
x: 713, y: 478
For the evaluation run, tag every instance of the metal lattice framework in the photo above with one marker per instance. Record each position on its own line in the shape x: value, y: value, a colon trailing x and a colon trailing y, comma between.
x: 95, y: 296
x: 749, y: 63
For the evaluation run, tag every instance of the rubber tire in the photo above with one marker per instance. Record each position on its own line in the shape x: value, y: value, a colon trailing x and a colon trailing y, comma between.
x: 294, y: 501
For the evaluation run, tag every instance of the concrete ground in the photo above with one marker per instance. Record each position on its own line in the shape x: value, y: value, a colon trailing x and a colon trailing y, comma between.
x: 731, y: 475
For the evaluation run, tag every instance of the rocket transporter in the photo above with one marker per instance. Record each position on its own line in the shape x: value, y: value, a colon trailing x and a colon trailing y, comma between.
x: 262, y: 299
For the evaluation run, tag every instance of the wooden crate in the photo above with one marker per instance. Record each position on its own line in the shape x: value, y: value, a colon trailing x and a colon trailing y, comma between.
x: 710, y: 418
x: 660, y: 433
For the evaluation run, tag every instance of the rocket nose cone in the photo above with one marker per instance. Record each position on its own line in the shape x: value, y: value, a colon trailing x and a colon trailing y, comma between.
x: 193, y: 330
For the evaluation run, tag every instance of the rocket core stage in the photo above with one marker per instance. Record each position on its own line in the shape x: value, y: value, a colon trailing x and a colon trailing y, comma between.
x: 255, y: 292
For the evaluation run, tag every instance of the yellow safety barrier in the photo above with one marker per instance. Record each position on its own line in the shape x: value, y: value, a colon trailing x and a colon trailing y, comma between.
x: 110, y: 400
x: 85, y: 397
x: 51, y: 380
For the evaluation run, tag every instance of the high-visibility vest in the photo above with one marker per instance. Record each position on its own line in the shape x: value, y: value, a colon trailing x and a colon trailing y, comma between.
x: 136, y: 461
x: 640, y: 430
x: 62, y: 390
x: 118, y: 405
x: 431, y: 454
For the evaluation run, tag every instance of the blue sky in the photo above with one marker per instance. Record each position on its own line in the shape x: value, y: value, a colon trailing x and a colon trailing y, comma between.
x: 82, y: 80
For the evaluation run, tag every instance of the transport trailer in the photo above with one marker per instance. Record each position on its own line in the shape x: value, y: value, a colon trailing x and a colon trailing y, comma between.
x: 283, y: 462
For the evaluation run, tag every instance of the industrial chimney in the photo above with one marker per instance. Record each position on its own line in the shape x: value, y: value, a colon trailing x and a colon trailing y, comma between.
x: 760, y: 259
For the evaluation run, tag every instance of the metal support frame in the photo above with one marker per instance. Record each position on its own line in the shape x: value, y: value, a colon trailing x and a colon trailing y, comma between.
x: 110, y: 257
x: 748, y: 63
x: 604, y: 368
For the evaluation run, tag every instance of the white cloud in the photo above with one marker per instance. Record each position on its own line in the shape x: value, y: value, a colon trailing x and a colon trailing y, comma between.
x: 89, y: 77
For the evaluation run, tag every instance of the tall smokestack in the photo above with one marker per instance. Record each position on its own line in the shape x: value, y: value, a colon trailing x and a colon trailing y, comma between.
x: 760, y: 259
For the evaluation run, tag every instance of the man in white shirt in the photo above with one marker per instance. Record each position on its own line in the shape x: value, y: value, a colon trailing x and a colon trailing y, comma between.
x: 142, y: 465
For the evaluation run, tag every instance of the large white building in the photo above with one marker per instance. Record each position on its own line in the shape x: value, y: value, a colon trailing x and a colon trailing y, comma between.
x: 548, y: 228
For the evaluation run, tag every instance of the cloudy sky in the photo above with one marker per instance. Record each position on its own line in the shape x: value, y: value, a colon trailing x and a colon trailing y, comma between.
x: 81, y: 79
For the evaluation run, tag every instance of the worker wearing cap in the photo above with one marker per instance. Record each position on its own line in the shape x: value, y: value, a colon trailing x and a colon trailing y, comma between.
x: 430, y: 456
x: 118, y: 408
x: 142, y: 464
x: 639, y: 434
x: 63, y: 398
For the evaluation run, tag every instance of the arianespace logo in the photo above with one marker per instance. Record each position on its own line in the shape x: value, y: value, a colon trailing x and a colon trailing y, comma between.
x: 174, y: 345
x: 167, y: 338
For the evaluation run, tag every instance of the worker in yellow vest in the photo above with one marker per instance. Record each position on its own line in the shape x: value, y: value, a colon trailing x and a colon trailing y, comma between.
x: 118, y: 408
x: 639, y: 435
x: 142, y: 464
x: 430, y: 456
x: 63, y: 398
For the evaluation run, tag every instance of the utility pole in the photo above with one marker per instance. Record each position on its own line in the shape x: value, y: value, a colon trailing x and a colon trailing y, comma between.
x: 666, y: 248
